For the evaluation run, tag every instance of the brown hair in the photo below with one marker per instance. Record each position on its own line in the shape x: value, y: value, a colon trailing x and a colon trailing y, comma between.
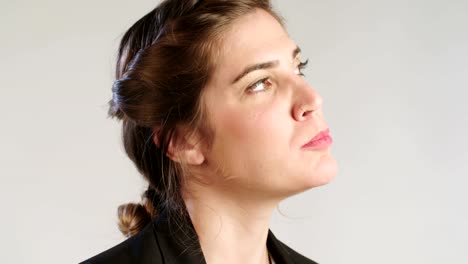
x: 164, y: 61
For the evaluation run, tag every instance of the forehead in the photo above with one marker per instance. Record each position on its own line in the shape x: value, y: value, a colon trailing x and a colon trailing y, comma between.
x: 253, y: 38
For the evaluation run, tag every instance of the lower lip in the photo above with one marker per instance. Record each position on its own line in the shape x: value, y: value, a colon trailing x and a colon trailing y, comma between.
x: 322, y: 143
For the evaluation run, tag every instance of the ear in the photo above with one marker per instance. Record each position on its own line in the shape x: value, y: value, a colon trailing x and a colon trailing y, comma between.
x: 184, y: 147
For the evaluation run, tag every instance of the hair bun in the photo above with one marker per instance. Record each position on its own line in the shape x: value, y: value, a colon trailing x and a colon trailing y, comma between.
x: 114, y: 110
x: 132, y: 218
x: 134, y: 99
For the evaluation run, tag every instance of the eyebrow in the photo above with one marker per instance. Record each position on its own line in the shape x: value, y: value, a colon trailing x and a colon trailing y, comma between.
x: 263, y: 65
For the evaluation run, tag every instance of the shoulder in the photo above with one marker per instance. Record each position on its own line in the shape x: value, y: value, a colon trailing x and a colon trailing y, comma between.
x: 141, y: 248
x: 284, y: 254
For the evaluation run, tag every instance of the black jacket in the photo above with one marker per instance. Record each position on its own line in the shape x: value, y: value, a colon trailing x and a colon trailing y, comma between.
x: 156, y: 244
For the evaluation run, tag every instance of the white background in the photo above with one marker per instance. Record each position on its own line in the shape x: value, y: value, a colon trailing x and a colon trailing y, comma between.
x: 394, y: 78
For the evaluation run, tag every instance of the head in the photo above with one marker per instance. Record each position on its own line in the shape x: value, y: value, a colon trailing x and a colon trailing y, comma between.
x: 211, y: 93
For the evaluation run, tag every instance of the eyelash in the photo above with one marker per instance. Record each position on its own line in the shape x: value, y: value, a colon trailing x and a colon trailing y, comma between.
x: 301, y: 66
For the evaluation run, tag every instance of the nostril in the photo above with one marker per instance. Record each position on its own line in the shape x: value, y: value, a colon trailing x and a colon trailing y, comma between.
x: 302, y: 113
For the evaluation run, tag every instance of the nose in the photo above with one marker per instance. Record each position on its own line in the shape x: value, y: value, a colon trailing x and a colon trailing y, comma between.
x: 307, y: 101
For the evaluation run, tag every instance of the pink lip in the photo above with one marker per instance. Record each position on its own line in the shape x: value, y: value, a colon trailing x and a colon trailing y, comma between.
x: 322, y: 140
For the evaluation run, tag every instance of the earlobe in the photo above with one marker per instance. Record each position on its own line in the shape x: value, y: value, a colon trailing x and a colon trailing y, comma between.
x: 188, y: 154
x: 194, y: 156
x: 185, y: 149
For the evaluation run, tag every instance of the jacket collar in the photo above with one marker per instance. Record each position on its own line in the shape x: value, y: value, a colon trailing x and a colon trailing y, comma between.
x: 178, y: 246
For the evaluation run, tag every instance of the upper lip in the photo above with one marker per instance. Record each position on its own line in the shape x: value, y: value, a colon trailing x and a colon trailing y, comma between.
x: 321, y: 134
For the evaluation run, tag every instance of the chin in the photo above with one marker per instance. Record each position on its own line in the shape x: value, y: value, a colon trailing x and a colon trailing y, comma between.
x: 325, y: 171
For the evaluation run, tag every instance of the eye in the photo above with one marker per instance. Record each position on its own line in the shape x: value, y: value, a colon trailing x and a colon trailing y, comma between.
x: 260, y: 86
x: 301, y: 66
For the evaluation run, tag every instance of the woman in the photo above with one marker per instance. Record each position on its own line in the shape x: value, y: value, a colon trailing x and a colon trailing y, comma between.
x: 218, y: 118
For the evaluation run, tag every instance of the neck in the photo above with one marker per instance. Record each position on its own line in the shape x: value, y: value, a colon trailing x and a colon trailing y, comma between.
x: 230, y: 229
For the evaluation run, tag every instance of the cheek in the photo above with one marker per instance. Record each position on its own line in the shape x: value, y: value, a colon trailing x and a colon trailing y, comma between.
x: 261, y: 127
x: 251, y: 142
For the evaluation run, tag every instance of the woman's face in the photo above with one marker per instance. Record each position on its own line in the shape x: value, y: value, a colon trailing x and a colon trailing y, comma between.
x: 262, y: 119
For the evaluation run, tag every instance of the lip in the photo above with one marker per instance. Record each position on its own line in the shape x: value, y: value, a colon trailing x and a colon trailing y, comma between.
x: 322, y: 140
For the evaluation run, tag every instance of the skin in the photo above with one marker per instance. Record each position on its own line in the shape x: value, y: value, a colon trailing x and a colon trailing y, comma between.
x: 256, y: 158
